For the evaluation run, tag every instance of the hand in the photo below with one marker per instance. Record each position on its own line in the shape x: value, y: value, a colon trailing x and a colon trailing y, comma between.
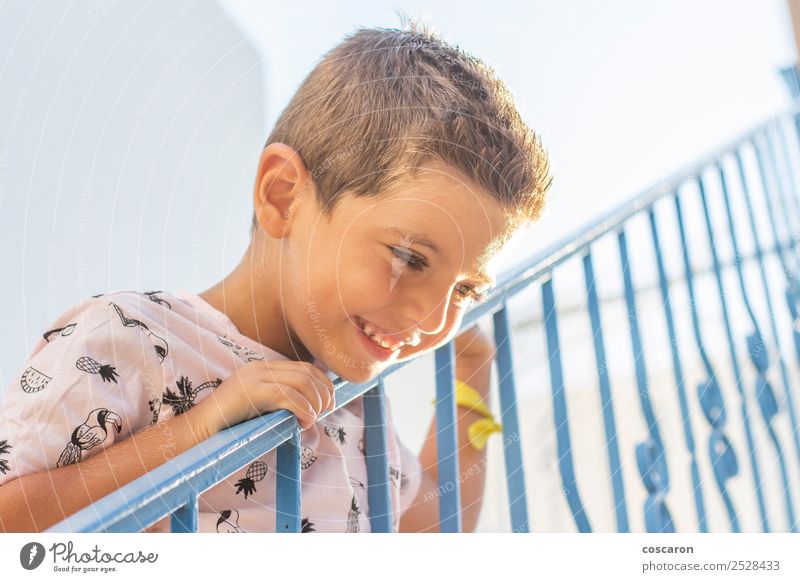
x: 265, y: 386
x: 475, y: 352
x: 473, y: 344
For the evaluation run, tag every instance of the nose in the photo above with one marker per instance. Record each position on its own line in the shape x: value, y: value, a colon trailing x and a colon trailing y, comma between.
x: 429, y: 306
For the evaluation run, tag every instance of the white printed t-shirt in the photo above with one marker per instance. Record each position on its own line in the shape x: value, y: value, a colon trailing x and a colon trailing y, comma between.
x: 114, y: 364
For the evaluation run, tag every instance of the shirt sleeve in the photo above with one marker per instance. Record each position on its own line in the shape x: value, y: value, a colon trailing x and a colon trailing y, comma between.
x: 92, y: 379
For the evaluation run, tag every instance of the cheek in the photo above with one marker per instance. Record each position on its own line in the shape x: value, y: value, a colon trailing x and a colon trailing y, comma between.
x: 364, y: 284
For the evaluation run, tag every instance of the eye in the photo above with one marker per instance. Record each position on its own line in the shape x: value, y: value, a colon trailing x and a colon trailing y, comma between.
x: 412, y: 260
x: 468, y: 291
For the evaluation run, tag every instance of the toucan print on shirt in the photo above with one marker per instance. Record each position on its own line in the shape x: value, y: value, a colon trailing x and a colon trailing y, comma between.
x: 89, y: 434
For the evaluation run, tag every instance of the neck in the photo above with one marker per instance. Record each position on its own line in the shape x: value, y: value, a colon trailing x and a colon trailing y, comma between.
x: 250, y: 296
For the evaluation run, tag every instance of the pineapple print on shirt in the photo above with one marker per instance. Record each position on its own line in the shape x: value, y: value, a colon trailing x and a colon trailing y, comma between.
x: 107, y: 371
x: 4, y: 448
x: 255, y: 472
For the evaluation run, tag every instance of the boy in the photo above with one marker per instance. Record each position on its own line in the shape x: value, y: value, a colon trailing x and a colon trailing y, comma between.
x: 391, y: 180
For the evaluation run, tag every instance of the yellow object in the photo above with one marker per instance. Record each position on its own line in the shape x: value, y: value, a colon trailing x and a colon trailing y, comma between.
x: 480, y: 430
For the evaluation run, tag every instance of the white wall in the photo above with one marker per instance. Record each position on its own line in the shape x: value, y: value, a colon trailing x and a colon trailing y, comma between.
x: 129, y: 134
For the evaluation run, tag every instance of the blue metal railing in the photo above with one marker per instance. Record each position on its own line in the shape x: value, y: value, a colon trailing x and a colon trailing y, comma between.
x: 753, y: 360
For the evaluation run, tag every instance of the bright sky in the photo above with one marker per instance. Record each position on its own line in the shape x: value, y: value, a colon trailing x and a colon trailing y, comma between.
x: 622, y: 92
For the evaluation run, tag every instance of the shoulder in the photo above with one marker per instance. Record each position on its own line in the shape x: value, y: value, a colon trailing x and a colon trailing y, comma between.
x: 111, y: 318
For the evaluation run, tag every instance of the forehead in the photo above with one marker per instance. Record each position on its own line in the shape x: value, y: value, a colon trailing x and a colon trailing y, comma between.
x: 438, y: 208
x: 446, y: 197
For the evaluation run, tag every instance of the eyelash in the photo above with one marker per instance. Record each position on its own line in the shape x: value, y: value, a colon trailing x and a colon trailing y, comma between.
x: 420, y: 263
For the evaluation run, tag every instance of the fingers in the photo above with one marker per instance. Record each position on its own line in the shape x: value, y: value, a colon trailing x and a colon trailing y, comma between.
x: 297, y: 404
x: 316, y: 391
x: 301, y: 387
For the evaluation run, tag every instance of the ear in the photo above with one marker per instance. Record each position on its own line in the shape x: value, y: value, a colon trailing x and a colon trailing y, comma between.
x: 281, y: 180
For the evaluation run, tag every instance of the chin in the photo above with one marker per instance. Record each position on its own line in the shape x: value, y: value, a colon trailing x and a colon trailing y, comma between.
x: 355, y: 373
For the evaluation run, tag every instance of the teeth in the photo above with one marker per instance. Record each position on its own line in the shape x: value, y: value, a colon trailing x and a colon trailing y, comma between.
x: 386, y: 344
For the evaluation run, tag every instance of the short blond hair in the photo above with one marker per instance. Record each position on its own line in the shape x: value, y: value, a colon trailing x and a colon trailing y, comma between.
x: 385, y: 101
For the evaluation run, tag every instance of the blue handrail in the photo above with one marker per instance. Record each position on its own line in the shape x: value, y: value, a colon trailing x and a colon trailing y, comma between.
x: 174, y: 488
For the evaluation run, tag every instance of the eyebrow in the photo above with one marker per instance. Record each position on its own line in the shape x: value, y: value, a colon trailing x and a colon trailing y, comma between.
x: 421, y: 240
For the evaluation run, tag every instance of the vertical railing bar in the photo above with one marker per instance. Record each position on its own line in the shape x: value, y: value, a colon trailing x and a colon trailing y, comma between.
x: 711, y: 384
x: 743, y: 288
x: 606, y: 401
x: 184, y: 519
x: 792, y: 289
x: 748, y: 200
x: 782, y: 187
x: 512, y: 439
x: 779, y: 247
x: 772, y: 162
x: 560, y: 412
x: 287, y: 486
x: 760, y: 248
x: 680, y: 379
x: 790, y: 171
x: 657, y: 517
x: 795, y: 121
x: 375, y: 447
x: 793, y: 238
x: 729, y: 334
x: 636, y: 341
x: 791, y: 193
x: 447, y: 440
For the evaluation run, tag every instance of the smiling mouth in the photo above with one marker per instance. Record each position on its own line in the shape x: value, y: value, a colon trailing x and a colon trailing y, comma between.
x: 384, y: 341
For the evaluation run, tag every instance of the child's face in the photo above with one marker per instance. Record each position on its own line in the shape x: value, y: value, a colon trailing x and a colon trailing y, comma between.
x: 374, y: 262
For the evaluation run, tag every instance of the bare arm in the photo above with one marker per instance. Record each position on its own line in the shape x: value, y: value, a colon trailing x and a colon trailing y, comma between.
x: 36, y: 501
x: 474, y: 356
